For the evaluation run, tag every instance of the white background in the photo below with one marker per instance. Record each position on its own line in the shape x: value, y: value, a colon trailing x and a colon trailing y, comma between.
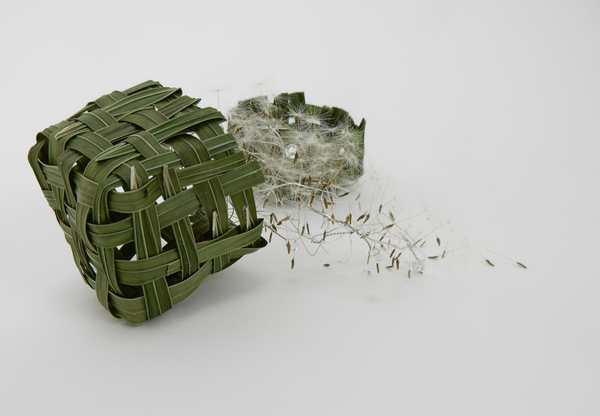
x: 483, y: 112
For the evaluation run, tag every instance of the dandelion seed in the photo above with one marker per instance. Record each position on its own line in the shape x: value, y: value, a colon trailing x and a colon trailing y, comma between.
x: 215, y: 225
x: 133, y: 179
x: 326, y: 265
x: 377, y: 264
x: 289, y: 247
x: 489, y: 262
x: 293, y: 263
x: 522, y: 265
x: 248, y: 217
x: 380, y: 207
x: 438, y: 241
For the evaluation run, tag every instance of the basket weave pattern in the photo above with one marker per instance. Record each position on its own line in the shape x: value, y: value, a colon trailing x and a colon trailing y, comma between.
x: 151, y: 194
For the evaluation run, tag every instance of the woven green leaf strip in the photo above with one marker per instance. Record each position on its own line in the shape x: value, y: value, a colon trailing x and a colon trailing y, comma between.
x: 151, y: 194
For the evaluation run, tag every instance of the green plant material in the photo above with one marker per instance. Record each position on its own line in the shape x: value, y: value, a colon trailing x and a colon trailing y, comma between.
x: 151, y: 194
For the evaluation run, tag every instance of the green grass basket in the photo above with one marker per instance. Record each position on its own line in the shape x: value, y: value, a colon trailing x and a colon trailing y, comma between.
x: 151, y: 194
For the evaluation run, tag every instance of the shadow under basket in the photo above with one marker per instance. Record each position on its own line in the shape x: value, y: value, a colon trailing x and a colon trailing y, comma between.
x: 151, y: 194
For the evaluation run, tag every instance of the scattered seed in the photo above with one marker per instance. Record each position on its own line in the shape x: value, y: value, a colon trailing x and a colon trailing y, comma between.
x: 293, y: 263
x: 438, y: 241
x: 326, y: 265
x: 489, y: 262
x: 522, y: 265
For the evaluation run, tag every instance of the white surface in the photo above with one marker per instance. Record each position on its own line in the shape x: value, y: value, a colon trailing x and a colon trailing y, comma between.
x: 492, y: 110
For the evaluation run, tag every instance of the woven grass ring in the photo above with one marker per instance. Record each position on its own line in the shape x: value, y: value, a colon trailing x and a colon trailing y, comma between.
x: 151, y: 194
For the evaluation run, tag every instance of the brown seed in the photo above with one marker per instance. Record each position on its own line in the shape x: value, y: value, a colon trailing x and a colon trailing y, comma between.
x: 522, y: 265
x: 326, y: 265
x: 489, y: 262
x: 377, y: 264
x: 289, y: 247
x: 438, y: 241
x: 293, y: 263
x: 380, y: 206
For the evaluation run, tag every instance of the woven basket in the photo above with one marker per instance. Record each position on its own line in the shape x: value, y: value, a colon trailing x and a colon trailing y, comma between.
x: 151, y: 194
